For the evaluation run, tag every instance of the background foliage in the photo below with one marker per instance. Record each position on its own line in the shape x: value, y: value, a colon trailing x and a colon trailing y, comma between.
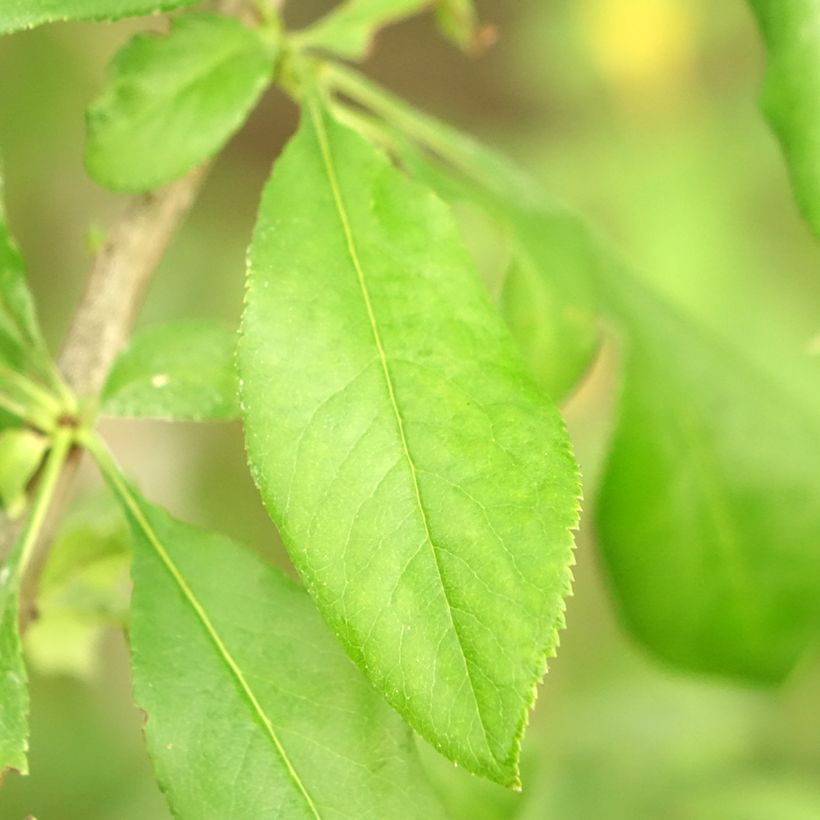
x: 642, y: 115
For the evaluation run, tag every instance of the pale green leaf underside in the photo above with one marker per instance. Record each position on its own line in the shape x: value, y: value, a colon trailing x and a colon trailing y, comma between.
x: 181, y: 371
x: 791, y: 92
x: 349, y: 29
x: 173, y: 101
x: 253, y: 710
x: 16, y: 15
x: 424, y: 486
x: 21, y: 451
x: 709, y: 512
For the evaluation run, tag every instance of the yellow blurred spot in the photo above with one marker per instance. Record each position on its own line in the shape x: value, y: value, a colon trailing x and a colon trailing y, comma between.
x: 645, y: 49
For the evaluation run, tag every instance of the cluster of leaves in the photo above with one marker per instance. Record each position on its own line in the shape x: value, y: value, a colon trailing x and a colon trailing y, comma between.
x: 401, y: 427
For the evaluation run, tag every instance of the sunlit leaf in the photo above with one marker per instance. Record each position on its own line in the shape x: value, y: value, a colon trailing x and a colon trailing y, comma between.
x: 791, y: 91
x: 173, y: 101
x: 709, y: 512
x: 252, y: 708
x: 423, y: 484
x: 14, y: 700
x: 349, y: 29
x: 16, y: 15
x: 181, y: 371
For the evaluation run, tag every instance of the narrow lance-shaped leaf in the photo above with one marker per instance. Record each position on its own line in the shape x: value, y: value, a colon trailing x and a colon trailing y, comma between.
x: 349, y: 29
x: 173, y: 101
x: 709, y: 512
x: 16, y: 15
x: 791, y: 92
x: 424, y: 486
x: 252, y: 708
x: 182, y: 371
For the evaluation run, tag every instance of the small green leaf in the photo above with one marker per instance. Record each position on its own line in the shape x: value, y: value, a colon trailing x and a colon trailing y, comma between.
x: 253, y: 709
x: 17, y: 15
x: 709, y: 511
x: 182, y: 371
x: 84, y: 590
x: 423, y: 484
x: 20, y: 334
x: 791, y: 92
x: 21, y: 451
x: 173, y: 101
x: 349, y: 29
x: 458, y: 21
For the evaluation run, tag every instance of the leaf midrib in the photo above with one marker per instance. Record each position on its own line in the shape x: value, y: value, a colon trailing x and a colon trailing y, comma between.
x: 223, y: 651
x: 344, y: 218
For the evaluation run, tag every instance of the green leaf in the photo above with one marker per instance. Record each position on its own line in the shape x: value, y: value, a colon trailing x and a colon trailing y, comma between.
x: 349, y: 29
x: 83, y: 590
x: 423, y: 484
x: 253, y: 710
x: 14, y: 702
x: 791, y: 92
x: 17, y: 15
x: 21, y: 451
x: 182, y: 371
x: 19, y: 331
x: 547, y: 291
x: 458, y: 21
x: 709, y: 512
x: 173, y: 101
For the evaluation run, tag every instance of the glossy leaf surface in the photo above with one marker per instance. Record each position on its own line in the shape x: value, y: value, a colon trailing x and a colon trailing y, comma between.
x: 16, y: 15
x: 173, y: 101
x: 791, y: 91
x: 709, y: 512
x: 181, y: 371
x: 252, y: 708
x: 423, y: 484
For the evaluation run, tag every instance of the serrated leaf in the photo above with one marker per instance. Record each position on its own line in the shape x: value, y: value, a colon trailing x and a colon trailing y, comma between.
x: 791, y: 92
x: 709, y: 510
x: 172, y: 101
x: 349, y: 29
x: 181, y: 371
x: 424, y: 486
x: 21, y: 451
x: 252, y: 708
x: 17, y: 15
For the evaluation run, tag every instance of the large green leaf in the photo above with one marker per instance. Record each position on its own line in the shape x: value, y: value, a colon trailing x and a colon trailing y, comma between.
x: 349, y: 29
x: 423, y: 484
x: 252, y: 708
x: 546, y: 290
x: 173, y: 101
x: 791, y: 92
x: 709, y: 512
x: 16, y: 15
x: 182, y: 371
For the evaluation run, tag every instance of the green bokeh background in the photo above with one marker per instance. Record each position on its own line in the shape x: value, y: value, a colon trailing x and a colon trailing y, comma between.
x: 640, y: 114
